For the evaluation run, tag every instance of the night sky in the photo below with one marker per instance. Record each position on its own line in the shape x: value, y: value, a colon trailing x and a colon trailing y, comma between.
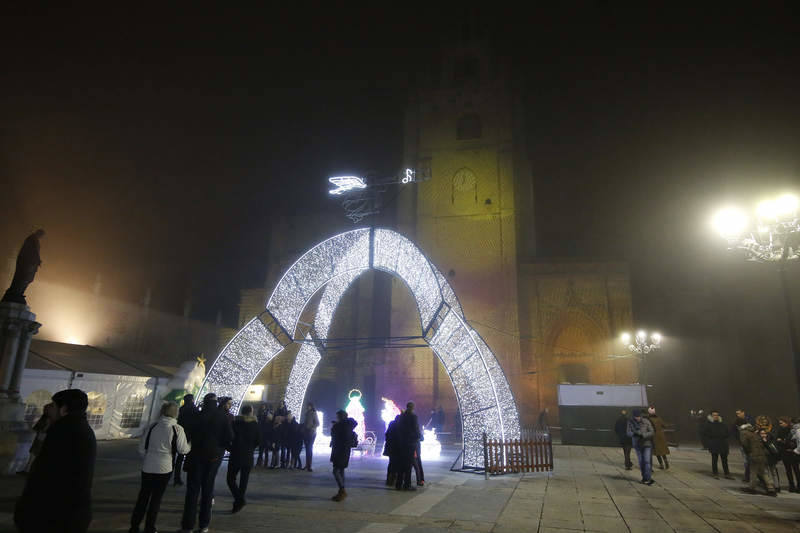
x: 155, y: 147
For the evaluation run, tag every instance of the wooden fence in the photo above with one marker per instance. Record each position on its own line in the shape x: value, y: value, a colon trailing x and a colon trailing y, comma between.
x: 533, y: 454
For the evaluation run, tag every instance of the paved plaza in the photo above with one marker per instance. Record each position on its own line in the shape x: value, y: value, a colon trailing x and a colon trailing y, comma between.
x: 589, y: 491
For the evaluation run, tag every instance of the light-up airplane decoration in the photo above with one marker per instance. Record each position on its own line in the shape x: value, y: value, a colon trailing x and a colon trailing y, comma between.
x: 346, y: 183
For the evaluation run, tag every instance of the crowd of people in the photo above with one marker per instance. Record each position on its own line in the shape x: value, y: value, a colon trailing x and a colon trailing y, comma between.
x: 193, y: 439
x: 763, y: 445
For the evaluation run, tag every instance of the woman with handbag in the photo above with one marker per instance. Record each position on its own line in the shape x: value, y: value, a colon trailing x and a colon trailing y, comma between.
x: 159, y: 445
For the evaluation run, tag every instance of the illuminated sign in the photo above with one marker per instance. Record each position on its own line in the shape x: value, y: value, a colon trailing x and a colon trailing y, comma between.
x: 346, y: 183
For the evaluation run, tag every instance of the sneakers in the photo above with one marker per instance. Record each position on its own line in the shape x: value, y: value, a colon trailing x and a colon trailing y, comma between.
x: 341, y: 495
x: 421, y: 483
x: 648, y: 482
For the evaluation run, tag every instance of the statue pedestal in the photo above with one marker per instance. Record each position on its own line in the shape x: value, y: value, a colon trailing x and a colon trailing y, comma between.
x: 17, y: 327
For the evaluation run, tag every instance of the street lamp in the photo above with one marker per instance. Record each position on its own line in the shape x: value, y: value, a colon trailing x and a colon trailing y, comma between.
x: 773, y: 236
x: 639, y: 345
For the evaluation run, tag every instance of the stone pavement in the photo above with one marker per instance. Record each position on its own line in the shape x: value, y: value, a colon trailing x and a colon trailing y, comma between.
x: 589, y: 491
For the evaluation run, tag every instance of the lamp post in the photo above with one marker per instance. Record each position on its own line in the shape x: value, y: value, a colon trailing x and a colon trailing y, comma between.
x: 772, y: 238
x: 639, y: 346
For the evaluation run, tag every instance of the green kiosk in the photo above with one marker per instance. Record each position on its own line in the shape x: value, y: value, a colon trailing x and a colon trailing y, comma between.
x: 587, y: 412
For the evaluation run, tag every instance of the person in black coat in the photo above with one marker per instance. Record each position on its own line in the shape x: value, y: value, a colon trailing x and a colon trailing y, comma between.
x: 282, y: 439
x: 265, y: 425
x: 295, y: 438
x: 282, y: 410
x: 621, y: 429
x: 716, y: 435
x: 342, y: 441
x: 245, y: 439
x: 186, y: 415
x: 390, y: 451
x: 58, y: 491
x: 791, y: 461
x: 408, y: 437
x: 211, y: 435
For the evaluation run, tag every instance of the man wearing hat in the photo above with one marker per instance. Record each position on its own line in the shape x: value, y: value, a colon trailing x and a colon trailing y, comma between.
x: 641, y: 432
x: 58, y: 491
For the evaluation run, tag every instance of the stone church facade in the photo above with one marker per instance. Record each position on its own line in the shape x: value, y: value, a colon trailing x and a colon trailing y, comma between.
x: 548, y: 321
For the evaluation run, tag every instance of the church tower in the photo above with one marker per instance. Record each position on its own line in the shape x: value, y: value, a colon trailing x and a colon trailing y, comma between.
x: 473, y: 217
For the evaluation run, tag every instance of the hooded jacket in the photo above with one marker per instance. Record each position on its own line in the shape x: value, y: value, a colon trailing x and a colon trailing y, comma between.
x: 158, y: 456
x: 716, y: 436
x: 340, y: 442
x: 641, y: 433
x: 211, y: 435
x: 621, y: 429
x: 752, y: 444
x: 796, y: 437
x: 58, y: 491
x: 246, y: 437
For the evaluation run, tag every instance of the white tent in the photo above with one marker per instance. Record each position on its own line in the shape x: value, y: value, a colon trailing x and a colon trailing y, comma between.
x: 124, y: 396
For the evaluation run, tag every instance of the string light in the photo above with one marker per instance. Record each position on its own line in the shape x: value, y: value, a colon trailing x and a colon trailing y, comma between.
x: 302, y: 370
x: 484, y: 397
x: 356, y: 411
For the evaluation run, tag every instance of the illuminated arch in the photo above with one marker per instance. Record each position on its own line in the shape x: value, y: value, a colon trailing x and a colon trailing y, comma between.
x: 482, y: 391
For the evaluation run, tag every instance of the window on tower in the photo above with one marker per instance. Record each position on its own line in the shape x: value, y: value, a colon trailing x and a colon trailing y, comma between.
x: 469, y: 127
x: 465, y: 69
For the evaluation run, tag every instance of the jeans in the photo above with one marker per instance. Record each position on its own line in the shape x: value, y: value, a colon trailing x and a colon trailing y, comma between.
x: 263, y: 454
x: 338, y: 474
x: 308, y: 442
x: 418, y: 472
x: 238, y: 491
x: 645, y: 457
x: 150, y: 494
x: 792, y: 471
x: 199, y: 482
x: 714, y: 458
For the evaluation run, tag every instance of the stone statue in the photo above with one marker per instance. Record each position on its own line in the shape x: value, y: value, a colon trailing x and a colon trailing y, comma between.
x: 28, y: 262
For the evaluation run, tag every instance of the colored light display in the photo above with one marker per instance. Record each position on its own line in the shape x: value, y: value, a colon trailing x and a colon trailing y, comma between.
x: 389, y: 412
x: 431, y: 447
x: 356, y: 411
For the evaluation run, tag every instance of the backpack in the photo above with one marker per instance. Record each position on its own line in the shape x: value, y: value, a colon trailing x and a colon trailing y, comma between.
x: 174, y: 440
x: 353, y: 439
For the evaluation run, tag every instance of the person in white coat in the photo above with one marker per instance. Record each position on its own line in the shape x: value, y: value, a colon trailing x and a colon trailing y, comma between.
x: 159, y: 445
